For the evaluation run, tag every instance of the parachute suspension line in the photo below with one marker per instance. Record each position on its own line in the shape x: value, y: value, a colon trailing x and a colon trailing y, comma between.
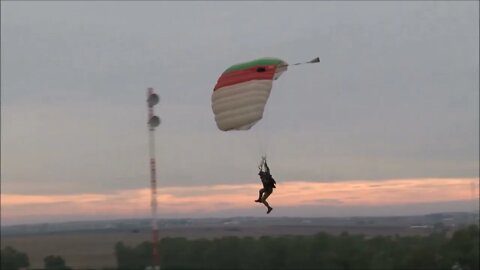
x: 314, y: 60
x: 262, y: 134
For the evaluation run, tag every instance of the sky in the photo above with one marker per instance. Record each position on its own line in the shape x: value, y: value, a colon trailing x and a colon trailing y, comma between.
x: 395, y: 99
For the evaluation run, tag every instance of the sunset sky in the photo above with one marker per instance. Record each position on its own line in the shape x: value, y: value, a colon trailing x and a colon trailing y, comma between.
x: 407, y: 196
x: 387, y: 123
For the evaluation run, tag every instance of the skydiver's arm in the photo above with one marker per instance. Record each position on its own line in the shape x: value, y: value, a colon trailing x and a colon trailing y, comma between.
x: 266, y: 167
x: 260, y: 167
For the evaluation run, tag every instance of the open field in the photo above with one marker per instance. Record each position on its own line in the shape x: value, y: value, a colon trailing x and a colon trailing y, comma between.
x: 95, y: 249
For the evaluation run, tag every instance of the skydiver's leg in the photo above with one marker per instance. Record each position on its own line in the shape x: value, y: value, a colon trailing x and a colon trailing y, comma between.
x: 266, y: 194
x: 264, y: 199
x: 260, y: 192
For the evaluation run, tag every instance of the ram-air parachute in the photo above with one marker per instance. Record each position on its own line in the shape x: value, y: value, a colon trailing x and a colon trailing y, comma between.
x: 242, y: 91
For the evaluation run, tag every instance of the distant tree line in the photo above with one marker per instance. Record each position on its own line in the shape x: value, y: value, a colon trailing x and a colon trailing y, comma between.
x: 11, y: 259
x: 459, y: 251
x: 320, y: 251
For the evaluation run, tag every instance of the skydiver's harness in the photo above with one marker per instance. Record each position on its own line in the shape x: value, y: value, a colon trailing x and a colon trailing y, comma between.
x: 267, y: 179
x: 270, y: 181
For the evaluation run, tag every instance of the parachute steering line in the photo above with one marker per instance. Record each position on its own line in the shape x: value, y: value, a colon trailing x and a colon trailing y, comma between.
x: 153, y: 122
x: 262, y: 131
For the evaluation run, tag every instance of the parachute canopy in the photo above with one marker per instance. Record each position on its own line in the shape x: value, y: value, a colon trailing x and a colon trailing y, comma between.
x: 242, y: 91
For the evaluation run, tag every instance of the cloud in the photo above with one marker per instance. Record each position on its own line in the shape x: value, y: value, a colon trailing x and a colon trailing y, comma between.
x: 211, y: 199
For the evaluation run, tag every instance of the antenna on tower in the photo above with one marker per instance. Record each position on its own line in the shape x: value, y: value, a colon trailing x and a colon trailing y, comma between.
x: 153, y: 122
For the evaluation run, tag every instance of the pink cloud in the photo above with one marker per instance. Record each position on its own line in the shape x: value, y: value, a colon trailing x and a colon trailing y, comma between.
x: 212, y: 198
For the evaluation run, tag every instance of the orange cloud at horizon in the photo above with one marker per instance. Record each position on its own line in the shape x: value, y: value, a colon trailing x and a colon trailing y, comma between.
x: 211, y: 198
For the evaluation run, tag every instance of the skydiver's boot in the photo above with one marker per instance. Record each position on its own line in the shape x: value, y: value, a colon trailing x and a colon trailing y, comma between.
x: 259, y: 200
x: 268, y: 206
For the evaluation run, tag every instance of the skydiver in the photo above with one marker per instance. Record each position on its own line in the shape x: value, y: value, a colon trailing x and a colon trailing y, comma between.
x: 268, y: 184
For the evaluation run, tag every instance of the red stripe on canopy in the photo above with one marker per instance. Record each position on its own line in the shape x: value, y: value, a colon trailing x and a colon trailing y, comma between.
x: 244, y: 75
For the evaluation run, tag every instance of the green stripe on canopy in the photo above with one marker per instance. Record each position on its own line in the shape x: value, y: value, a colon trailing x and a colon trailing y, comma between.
x: 257, y: 62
